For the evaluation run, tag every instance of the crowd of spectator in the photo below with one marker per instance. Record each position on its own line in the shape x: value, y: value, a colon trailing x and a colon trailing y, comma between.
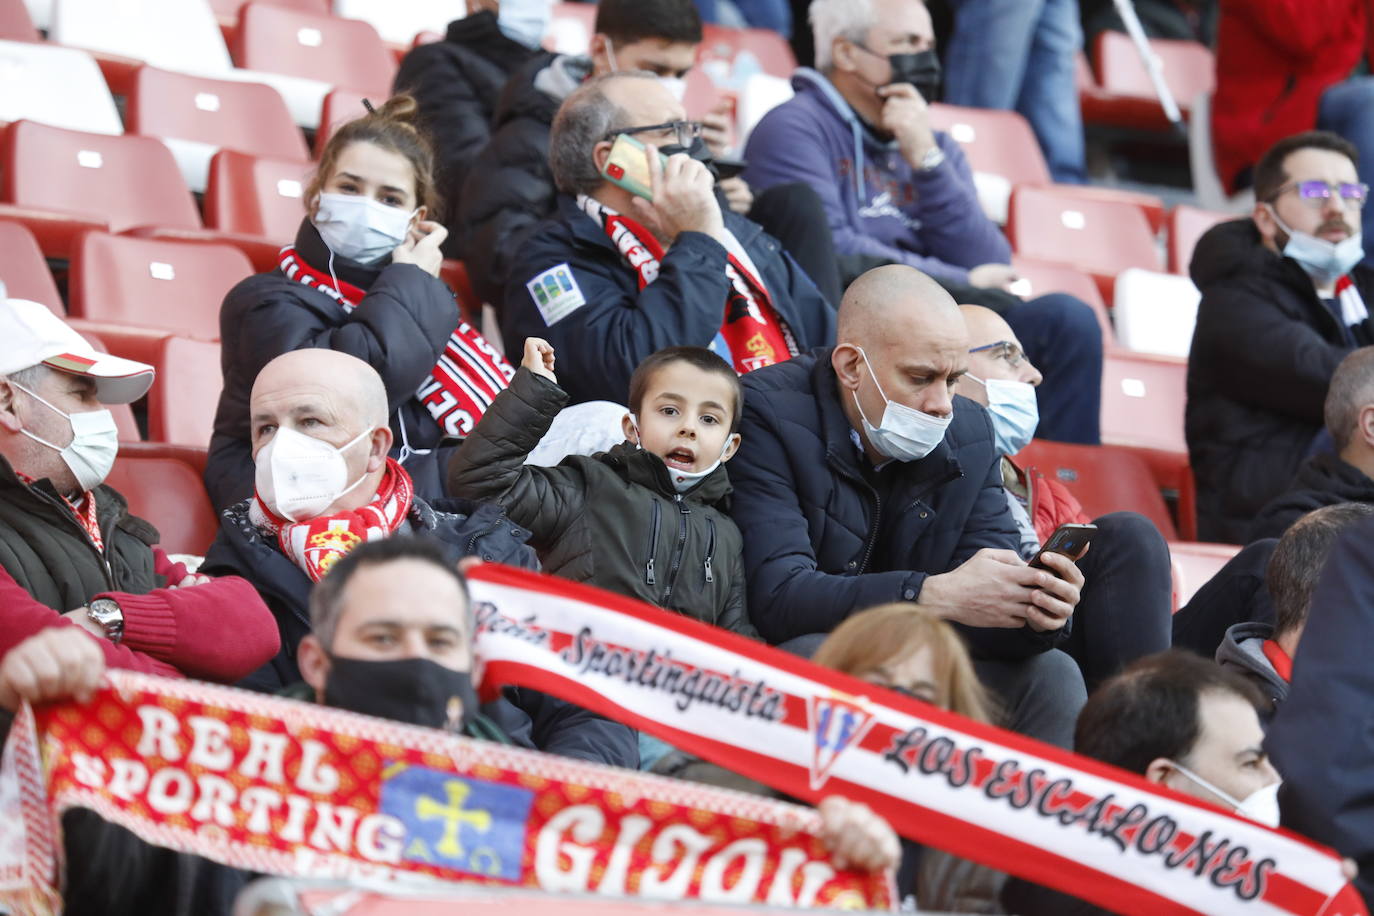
x: 820, y: 376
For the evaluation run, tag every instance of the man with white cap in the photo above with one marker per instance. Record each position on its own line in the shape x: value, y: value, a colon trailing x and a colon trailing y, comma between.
x: 71, y: 555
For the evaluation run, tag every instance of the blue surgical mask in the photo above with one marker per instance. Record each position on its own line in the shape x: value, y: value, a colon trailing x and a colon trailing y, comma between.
x: 903, y: 433
x: 1325, y: 262
x: 1015, y: 413
x: 524, y: 21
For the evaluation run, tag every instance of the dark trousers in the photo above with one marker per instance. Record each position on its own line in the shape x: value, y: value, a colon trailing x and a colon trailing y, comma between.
x: 1061, y: 336
x: 1236, y: 594
x: 794, y: 215
x: 1124, y: 610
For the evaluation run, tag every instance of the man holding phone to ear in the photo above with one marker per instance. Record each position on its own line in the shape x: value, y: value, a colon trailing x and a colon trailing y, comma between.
x: 618, y: 274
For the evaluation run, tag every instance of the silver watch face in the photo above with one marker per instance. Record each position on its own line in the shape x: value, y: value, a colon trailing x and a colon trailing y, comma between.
x: 105, y: 610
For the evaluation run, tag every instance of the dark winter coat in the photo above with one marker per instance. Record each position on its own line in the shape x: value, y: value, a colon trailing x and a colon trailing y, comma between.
x: 456, y: 82
x: 600, y: 343
x: 825, y: 534
x: 612, y: 520
x: 400, y: 329
x: 1242, y: 652
x: 1323, y: 480
x: 1263, y: 352
x: 461, y: 528
x: 510, y: 190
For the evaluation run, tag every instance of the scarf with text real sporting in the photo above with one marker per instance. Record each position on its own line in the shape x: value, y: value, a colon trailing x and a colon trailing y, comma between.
x: 470, y: 372
x: 752, y: 330
x: 283, y: 787
x: 981, y: 793
x: 318, y: 543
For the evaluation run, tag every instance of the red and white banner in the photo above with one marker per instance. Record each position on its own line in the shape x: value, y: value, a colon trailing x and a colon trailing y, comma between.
x: 287, y: 788
x: 982, y: 793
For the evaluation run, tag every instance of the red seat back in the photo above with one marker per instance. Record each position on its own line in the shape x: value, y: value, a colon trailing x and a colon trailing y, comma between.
x: 169, y: 494
x: 256, y: 196
x: 24, y: 270
x: 1143, y: 399
x: 341, y: 52
x: 1187, y: 225
x: 249, y: 117
x: 1194, y: 564
x: 1189, y: 67
x: 998, y: 142
x: 15, y: 22
x: 128, y: 181
x: 1046, y: 277
x: 764, y: 48
x: 1100, y: 237
x: 150, y: 283
x: 1101, y: 478
x: 340, y: 107
x: 183, y: 399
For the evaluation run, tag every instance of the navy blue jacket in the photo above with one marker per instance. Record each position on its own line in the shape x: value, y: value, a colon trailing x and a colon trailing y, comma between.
x: 600, y: 344
x: 1320, y: 739
x: 812, y: 518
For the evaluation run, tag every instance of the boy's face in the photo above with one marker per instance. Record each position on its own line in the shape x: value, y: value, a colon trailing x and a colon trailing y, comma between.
x: 685, y: 418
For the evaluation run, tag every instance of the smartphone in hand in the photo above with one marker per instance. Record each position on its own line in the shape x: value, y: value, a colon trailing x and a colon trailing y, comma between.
x: 1069, y: 540
x: 628, y: 166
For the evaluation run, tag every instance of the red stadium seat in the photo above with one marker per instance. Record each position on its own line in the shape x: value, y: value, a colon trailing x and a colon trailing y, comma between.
x: 730, y: 55
x: 1124, y: 95
x: 228, y: 11
x: 1046, y: 277
x: 182, y: 401
x: 1102, y: 479
x: 1100, y: 237
x: 342, y: 52
x: 1149, y: 204
x: 997, y: 142
x: 1186, y: 226
x: 1194, y: 564
x: 191, y: 455
x: 25, y: 273
x: 455, y: 274
x: 15, y: 22
x: 253, y: 196
x: 168, y: 493
x: 340, y: 107
x: 152, y: 287
x: 65, y: 182
x: 196, y: 116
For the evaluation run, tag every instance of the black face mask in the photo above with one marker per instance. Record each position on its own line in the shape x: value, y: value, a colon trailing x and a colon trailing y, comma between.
x: 921, y: 69
x: 698, y: 151
x: 412, y: 690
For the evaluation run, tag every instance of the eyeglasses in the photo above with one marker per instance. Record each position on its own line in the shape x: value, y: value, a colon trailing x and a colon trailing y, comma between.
x: 1003, y: 349
x: 684, y: 131
x: 1316, y: 193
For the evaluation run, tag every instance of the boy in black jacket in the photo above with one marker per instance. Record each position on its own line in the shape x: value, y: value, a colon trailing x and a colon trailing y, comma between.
x: 643, y: 519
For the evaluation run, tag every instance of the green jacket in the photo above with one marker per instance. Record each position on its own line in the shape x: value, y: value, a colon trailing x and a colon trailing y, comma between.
x: 47, y: 551
x: 612, y: 520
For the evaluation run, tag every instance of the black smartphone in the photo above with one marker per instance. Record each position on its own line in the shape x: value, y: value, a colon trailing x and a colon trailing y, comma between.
x: 728, y: 168
x: 1070, y: 540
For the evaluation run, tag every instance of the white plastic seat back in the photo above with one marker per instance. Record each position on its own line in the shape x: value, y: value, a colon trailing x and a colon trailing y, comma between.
x: 401, y: 22
x: 180, y: 35
x: 1155, y: 312
x: 58, y: 86
x: 762, y: 93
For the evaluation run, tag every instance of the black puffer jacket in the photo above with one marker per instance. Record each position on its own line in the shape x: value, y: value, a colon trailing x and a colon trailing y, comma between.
x: 457, y: 81
x: 614, y: 519
x: 1323, y: 480
x: 1263, y: 353
x: 400, y: 329
x: 510, y: 188
x: 825, y: 535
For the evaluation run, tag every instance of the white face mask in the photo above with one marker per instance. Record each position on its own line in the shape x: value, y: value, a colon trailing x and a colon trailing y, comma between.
x: 903, y: 433
x: 685, y: 480
x: 1325, y: 262
x: 94, y: 445
x: 1015, y: 413
x: 299, y: 476
x: 1260, y: 806
x: 360, y: 228
x: 524, y: 21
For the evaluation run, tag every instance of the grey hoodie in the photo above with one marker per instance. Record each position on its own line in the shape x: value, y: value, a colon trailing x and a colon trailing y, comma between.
x: 1242, y: 651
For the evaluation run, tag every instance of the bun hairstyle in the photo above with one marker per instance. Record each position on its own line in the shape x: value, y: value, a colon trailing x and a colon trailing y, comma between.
x: 393, y: 127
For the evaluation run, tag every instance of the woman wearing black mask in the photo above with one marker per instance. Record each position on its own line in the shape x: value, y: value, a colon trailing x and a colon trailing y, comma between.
x: 361, y: 278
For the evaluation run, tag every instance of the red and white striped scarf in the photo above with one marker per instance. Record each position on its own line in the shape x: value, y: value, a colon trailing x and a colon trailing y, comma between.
x: 1353, y: 309
x: 317, y: 544
x: 470, y: 372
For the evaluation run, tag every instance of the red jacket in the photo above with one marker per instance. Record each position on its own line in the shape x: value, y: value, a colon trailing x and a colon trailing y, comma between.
x: 1051, y: 503
x: 220, y: 631
x: 1275, y: 58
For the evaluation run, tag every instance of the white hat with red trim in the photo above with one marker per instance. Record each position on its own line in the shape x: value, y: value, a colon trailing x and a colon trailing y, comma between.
x: 30, y: 335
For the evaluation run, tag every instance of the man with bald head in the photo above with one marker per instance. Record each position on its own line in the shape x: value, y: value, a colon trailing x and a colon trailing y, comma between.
x: 613, y: 277
x: 1124, y: 611
x: 325, y: 485
x: 863, y: 478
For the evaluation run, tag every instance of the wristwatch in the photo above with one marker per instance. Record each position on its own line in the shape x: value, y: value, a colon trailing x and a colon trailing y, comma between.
x: 107, y: 613
x: 932, y: 159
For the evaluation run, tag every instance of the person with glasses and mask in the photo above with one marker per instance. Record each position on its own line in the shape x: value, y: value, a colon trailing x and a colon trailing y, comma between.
x: 898, y: 191
x: 613, y: 277
x: 863, y: 478
x: 1124, y: 612
x: 1284, y: 299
